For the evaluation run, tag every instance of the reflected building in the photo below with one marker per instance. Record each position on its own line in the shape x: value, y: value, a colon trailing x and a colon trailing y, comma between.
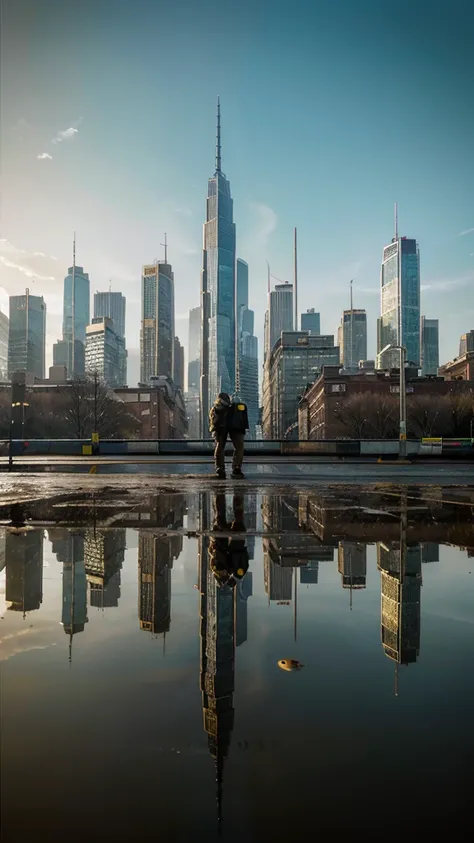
x: 154, y: 583
x: 218, y: 611
x: 352, y: 564
x: 278, y: 581
x: 24, y: 570
x: 309, y: 575
x: 69, y: 549
x: 104, y: 553
x: 244, y: 590
x: 430, y: 552
x: 400, y: 567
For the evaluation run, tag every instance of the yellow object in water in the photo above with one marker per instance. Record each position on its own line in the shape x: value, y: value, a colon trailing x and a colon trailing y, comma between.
x: 290, y: 664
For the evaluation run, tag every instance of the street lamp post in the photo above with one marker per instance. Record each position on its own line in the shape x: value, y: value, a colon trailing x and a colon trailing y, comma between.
x: 402, y: 398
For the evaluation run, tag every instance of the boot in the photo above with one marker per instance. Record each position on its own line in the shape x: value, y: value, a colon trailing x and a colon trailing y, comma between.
x: 237, y: 474
x: 220, y: 473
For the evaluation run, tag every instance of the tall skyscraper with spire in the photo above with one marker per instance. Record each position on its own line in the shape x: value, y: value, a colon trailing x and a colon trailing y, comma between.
x: 217, y: 290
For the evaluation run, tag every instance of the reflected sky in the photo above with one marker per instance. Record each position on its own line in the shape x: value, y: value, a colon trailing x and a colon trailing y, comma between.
x: 140, y: 688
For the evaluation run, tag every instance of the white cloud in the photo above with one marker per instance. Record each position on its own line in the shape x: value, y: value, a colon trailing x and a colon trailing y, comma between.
x: 266, y: 223
x: 466, y: 231
x: 447, y: 284
x: 65, y: 135
x: 44, y: 156
x: 35, y: 265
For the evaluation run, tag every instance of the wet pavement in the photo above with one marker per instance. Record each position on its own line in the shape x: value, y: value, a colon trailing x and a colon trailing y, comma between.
x: 140, y: 634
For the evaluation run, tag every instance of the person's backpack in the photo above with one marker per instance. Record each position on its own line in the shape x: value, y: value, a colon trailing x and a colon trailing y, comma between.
x: 238, y: 417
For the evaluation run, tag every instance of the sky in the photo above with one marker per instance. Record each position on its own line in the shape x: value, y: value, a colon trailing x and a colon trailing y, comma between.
x: 332, y: 111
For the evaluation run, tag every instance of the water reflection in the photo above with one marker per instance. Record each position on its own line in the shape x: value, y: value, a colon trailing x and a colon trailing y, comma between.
x: 275, y: 549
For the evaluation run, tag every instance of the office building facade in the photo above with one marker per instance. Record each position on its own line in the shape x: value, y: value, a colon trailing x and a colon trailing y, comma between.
x: 178, y: 364
x: 466, y: 343
x: 113, y: 306
x: 311, y: 322
x: 69, y: 351
x: 242, y: 291
x: 105, y: 353
x: 429, y: 331
x: 27, y: 335
x: 352, y: 338
x: 280, y: 315
x: 399, y: 322
x: 194, y: 348
x: 4, y: 331
x: 157, y: 327
x: 296, y: 361
x: 218, y: 363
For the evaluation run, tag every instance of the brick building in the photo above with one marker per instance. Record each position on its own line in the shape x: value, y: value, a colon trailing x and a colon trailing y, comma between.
x: 461, y: 368
x: 322, y: 409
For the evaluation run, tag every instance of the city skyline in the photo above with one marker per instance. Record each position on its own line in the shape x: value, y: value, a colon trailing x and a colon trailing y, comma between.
x: 165, y: 183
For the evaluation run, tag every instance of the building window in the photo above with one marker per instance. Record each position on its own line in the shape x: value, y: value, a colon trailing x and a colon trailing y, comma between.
x: 338, y: 387
x: 395, y: 388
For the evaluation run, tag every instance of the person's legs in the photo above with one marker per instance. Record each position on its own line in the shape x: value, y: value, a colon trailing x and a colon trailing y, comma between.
x: 238, y: 439
x: 219, y: 452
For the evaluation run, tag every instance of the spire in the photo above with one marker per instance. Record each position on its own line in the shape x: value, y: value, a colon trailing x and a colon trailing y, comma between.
x: 218, y: 138
x: 396, y: 220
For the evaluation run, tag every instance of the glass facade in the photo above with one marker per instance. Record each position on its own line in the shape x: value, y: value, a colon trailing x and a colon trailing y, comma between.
x: 281, y: 313
x: 400, y: 302
x: 295, y: 362
x: 104, y: 353
x: 4, y: 330
x: 429, y: 346
x: 219, y: 244
x: 311, y: 321
x: 353, y: 338
x: 27, y: 335
x: 112, y: 305
x: 242, y: 290
x: 157, y: 332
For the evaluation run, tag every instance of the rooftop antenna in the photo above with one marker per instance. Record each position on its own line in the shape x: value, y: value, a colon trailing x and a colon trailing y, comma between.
x: 396, y: 221
x: 351, y: 346
x: 268, y: 271
x: 165, y: 244
x: 218, y: 138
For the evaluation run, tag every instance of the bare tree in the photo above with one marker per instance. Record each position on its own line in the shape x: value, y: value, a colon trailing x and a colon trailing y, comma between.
x: 460, y: 414
x: 428, y: 415
x: 383, y: 415
x: 352, y: 413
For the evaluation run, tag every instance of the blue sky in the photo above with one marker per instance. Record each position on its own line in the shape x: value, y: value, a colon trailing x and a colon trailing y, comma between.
x: 331, y: 112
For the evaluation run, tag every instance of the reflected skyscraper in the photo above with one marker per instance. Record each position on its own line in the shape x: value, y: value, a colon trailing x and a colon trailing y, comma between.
x: 400, y: 567
x: 217, y: 290
x: 217, y: 658
x: 244, y: 590
x: 24, y: 575
x: 154, y: 583
x: 104, y: 552
x: 352, y: 564
x: 309, y: 575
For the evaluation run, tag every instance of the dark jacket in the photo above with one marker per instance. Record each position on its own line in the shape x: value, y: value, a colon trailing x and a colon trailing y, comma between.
x: 237, y: 419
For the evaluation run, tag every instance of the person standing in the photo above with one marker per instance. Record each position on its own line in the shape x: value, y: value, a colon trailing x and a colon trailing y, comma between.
x: 228, y: 419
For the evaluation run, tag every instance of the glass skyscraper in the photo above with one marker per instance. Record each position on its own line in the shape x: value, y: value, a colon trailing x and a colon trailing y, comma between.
x: 311, y: 321
x: 399, y: 323
x: 242, y: 290
x: 218, y: 289
x: 112, y: 306
x: 4, y: 330
x: 69, y: 351
x: 280, y: 316
x: 429, y: 346
x: 352, y: 338
x: 27, y: 335
x: 157, y: 332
